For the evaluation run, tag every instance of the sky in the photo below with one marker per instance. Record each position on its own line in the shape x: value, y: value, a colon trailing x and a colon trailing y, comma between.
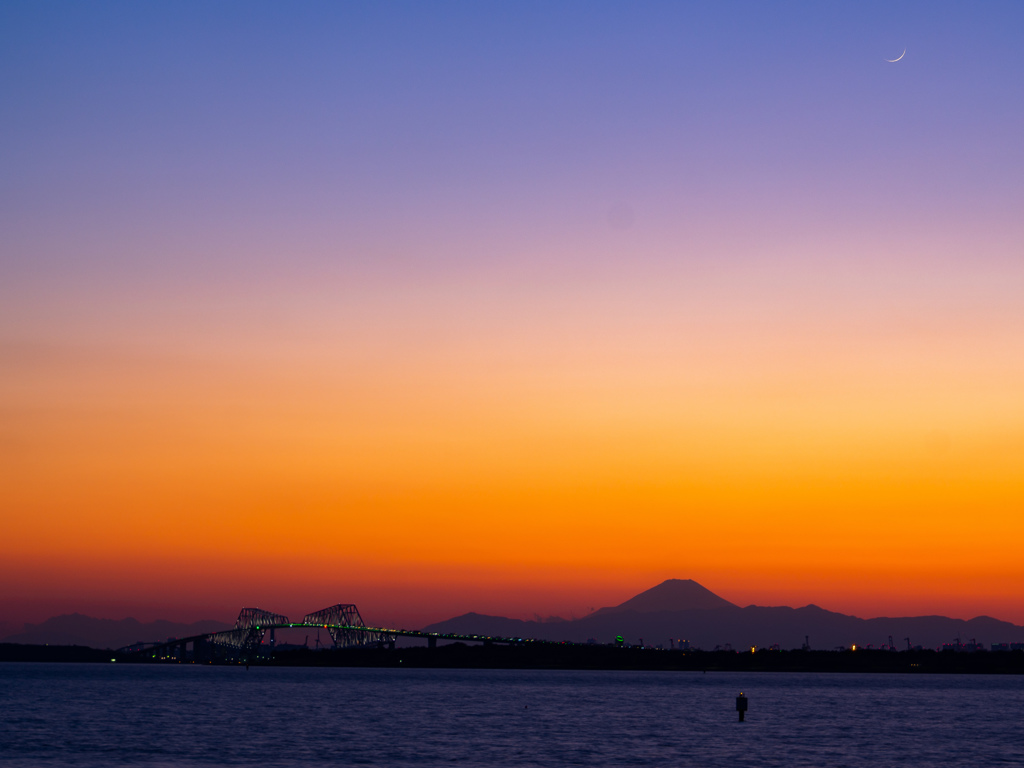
x: 519, y: 308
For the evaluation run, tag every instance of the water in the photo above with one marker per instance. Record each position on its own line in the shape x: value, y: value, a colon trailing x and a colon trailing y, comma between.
x: 103, y: 715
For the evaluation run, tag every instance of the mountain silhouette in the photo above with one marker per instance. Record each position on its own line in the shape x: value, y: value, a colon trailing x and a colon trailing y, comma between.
x: 76, y: 629
x: 677, y: 609
x: 671, y: 595
x: 684, y: 610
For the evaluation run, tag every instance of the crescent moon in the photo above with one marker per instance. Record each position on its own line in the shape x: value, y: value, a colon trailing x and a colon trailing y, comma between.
x: 893, y: 61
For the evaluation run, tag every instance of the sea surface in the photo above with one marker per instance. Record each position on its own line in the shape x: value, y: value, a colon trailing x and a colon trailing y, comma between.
x: 113, y: 714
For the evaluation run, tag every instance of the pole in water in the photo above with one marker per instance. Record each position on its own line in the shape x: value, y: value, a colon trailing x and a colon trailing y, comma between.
x: 741, y: 705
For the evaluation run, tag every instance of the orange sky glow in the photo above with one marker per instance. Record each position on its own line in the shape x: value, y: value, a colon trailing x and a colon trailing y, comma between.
x: 519, y: 323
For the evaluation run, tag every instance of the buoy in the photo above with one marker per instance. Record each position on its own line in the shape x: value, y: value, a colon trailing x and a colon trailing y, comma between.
x: 741, y: 705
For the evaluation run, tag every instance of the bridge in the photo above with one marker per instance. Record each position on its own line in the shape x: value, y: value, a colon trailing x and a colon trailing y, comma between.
x: 245, y: 642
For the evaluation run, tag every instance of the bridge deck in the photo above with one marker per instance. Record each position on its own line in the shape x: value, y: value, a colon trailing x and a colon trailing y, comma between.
x: 155, y: 648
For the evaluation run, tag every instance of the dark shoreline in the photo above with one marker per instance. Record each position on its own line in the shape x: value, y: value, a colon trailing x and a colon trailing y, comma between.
x: 62, y: 653
x: 577, y: 657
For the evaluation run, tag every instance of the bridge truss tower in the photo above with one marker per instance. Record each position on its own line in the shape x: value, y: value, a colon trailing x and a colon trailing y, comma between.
x: 245, y: 639
x: 344, y: 623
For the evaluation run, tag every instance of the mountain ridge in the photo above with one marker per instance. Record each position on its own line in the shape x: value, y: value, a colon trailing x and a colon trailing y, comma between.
x: 676, y: 609
x: 79, y: 629
x: 717, y: 623
x: 670, y: 595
